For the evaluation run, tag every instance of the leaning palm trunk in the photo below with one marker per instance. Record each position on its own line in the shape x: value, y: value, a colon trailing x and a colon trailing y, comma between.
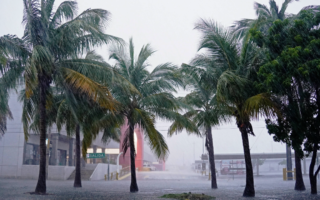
x: 299, y: 185
x: 77, y: 178
x: 249, y: 189
x: 209, y: 146
x: 134, y: 185
x: 41, y: 185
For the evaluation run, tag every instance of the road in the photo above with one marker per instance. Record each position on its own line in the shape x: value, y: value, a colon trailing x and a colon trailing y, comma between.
x: 168, y: 175
x: 152, y: 185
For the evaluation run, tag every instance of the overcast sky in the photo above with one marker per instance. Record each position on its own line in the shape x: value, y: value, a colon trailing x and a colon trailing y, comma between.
x: 168, y: 26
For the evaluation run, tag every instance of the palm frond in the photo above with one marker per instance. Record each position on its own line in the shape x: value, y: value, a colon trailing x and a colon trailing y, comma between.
x: 183, y: 122
x: 65, y: 11
x: 261, y: 105
x: 231, y: 87
x: 93, y: 90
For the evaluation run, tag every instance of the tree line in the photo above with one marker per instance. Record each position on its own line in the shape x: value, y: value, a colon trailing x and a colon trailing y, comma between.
x: 268, y: 66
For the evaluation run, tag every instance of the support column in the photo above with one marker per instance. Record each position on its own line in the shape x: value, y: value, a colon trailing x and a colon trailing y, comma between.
x: 83, y: 161
x: 289, y: 162
x: 54, y: 157
x: 24, y: 152
x: 258, y: 166
x: 304, y: 166
x: 71, y: 147
x: 94, y: 151
x: 103, y: 150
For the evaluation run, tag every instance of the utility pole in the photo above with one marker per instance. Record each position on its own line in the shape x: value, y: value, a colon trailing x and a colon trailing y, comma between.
x: 194, y: 155
x: 202, y: 145
x: 289, y: 162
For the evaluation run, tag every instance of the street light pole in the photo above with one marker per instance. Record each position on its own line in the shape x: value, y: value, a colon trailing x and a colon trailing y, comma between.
x: 118, y: 170
x: 108, y: 167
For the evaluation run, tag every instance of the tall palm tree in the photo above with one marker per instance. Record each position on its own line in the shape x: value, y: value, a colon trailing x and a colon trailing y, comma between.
x: 75, y: 110
x: 235, y: 88
x: 265, y: 17
x: 52, y: 38
x: 151, y: 99
x: 204, y: 112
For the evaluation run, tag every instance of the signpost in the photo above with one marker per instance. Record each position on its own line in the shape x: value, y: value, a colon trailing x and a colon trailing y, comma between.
x: 108, y: 167
x: 96, y: 155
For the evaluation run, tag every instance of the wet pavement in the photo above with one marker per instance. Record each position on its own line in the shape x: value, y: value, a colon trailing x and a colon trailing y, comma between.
x: 154, y: 184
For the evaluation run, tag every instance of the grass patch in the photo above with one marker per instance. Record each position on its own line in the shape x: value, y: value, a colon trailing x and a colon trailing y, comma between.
x: 188, y: 196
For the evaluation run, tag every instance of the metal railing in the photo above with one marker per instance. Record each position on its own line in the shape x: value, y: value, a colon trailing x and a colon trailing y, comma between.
x: 285, y: 174
x: 116, y: 176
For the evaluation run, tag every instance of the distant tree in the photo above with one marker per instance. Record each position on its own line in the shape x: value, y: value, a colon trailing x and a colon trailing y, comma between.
x: 204, y: 111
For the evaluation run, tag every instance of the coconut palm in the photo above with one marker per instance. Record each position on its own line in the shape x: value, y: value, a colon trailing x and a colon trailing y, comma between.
x: 204, y: 112
x: 10, y: 57
x: 152, y: 99
x: 235, y: 88
x: 265, y: 17
x: 4, y: 111
x: 52, y: 38
x: 77, y: 112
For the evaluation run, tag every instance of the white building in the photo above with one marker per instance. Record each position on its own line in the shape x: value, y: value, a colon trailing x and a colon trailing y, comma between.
x: 20, y: 158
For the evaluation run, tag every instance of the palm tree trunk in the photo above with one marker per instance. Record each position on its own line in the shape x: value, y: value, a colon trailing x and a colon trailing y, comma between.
x: 41, y: 187
x: 134, y: 185
x: 249, y: 189
x: 77, y: 178
x: 299, y: 179
x: 209, y: 145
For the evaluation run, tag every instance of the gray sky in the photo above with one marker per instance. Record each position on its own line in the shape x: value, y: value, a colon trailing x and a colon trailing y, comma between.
x: 168, y: 26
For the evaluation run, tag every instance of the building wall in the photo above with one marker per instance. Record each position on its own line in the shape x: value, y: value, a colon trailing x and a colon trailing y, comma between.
x: 101, y: 170
x: 12, y: 143
x: 54, y: 172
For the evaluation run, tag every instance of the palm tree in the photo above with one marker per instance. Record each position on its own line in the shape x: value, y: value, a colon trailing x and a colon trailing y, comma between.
x: 235, y: 88
x: 8, y: 60
x: 78, y: 112
x: 152, y: 98
x: 4, y: 110
x: 204, y: 111
x: 75, y: 110
x: 265, y: 17
x: 51, y: 41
